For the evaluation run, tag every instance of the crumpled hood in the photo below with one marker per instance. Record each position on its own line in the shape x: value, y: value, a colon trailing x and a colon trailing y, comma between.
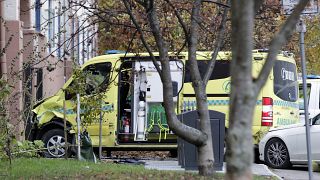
x: 40, y: 102
x: 53, y: 107
x: 287, y: 127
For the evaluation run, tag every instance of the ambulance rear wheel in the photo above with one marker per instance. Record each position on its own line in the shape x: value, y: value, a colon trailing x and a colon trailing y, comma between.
x: 54, y: 144
x: 173, y: 153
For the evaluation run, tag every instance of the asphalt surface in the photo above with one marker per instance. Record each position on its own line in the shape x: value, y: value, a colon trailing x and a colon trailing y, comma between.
x: 160, y: 161
x: 257, y: 169
x: 296, y: 173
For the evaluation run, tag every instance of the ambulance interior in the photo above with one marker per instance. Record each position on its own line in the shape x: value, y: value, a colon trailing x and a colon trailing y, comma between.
x: 141, y: 116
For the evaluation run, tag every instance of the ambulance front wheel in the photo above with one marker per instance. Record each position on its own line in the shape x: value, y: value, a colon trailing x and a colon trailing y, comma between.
x: 54, y: 144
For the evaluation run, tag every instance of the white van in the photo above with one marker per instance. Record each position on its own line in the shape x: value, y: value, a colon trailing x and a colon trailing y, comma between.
x: 313, y: 92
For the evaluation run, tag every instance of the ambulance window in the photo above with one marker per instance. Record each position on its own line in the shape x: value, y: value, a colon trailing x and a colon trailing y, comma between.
x: 221, y: 70
x: 285, y: 81
x: 97, y: 77
x: 301, y: 102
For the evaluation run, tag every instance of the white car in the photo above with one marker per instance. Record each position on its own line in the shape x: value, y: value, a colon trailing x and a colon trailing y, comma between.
x: 285, y: 146
x: 313, y: 91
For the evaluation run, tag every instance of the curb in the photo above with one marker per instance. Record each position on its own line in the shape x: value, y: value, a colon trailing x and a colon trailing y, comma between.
x: 272, y: 173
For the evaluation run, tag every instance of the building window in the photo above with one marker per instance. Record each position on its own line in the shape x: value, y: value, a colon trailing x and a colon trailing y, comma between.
x: 38, y: 15
x: 51, y: 26
x: 39, y: 90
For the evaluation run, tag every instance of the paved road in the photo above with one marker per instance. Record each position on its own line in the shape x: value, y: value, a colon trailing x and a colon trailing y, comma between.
x: 295, y: 173
x: 258, y: 169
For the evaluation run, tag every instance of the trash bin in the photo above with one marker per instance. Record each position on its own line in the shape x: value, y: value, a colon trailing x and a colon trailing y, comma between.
x: 187, y: 152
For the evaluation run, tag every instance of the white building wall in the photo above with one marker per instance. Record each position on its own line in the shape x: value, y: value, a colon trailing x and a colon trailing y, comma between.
x: 12, y: 10
x: 32, y: 13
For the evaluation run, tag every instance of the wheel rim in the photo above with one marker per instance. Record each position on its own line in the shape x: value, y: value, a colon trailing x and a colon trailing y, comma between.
x: 55, y: 146
x: 277, y: 154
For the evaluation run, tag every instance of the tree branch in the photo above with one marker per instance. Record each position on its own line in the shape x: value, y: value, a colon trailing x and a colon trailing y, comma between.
x: 217, y: 44
x: 182, y: 130
x: 218, y: 3
x: 278, y: 41
x: 180, y: 19
x: 193, y: 40
x: 183, y: 25
x: 144, y: 42
x: 257, y: 5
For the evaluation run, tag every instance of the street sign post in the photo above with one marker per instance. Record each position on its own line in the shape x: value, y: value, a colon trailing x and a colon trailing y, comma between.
x: 311, y: 8
x: 301, y: 28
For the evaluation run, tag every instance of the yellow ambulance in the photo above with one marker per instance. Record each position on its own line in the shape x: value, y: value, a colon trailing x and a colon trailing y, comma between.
x: 132, y: 115
x: 277, y: 103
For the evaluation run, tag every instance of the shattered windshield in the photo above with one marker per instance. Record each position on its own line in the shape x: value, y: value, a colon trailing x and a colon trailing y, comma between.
x: 97, y: 77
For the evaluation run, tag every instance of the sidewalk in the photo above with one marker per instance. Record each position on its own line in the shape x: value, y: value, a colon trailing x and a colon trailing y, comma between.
x: 257, y: 169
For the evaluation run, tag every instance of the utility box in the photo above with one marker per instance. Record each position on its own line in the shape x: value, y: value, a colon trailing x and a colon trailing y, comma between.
x: 187, y: 152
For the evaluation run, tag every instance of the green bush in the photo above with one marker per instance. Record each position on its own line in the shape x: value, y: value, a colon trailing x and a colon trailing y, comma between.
x: 25, y: 149
x: 4, y: 126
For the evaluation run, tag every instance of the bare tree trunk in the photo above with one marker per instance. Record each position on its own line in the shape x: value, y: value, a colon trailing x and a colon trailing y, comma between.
x: 205, y: 150
x: 244, y: 90
x: 239, y: 139
x: 202, y: 139
x: 190, y: 134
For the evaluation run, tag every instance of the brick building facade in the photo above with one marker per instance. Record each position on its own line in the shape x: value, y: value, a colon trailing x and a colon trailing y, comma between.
x: 39, y: 37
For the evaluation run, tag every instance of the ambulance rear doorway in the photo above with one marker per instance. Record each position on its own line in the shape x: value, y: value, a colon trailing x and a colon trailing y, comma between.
x: 141, y: 116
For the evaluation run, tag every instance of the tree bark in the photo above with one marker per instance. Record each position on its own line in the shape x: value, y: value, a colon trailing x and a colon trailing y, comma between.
x: 244, y: 90
x: 190, y: 134
x: 239, y: 155
x: 205, y: 150
x: 278, y: 41
x: 218, y: 43
x: 201, y: 138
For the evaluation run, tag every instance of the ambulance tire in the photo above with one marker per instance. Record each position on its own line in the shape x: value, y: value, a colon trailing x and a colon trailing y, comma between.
x: 53, y: 142
x: 173, y: 153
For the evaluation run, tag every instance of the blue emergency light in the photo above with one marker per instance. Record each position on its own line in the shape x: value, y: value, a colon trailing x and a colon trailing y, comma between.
x: 113, y: 51
x: 311, y: 76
